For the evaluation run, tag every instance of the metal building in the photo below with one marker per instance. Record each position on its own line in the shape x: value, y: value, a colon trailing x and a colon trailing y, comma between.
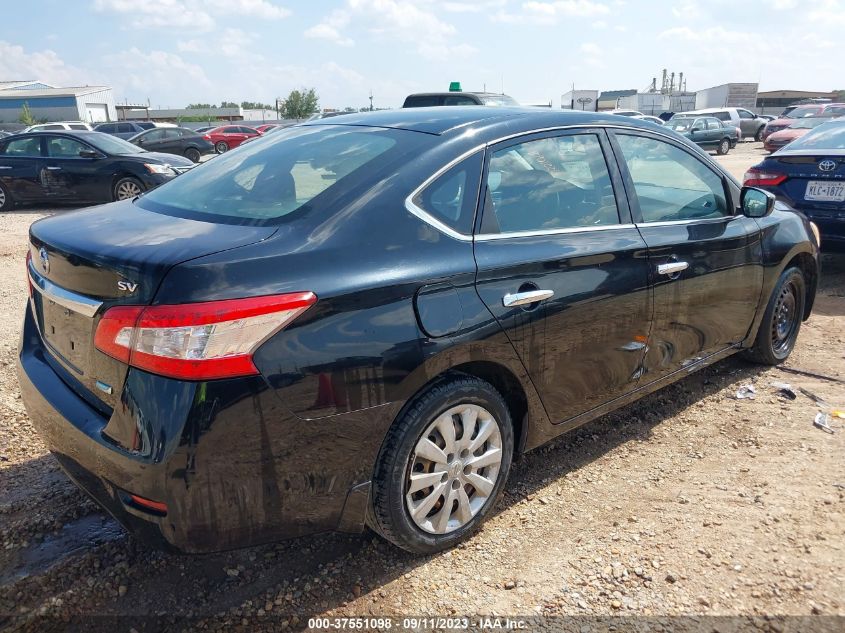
x: 93, y: 104
x: 727, y: 96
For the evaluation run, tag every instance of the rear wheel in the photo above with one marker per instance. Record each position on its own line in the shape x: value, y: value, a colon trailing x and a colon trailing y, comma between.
x: 442, y: 466
x: 781, y: 320
x: 221, y: 147
x: 6, y: 202
x: 127, y: 188
x: 724, y: 147
x: 192, y: 154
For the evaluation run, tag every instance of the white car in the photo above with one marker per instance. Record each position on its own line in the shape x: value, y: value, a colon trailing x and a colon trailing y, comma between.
x: 749, y: 123
x: 653, y: 119
x: 635, y: 113
x: 59, y: 125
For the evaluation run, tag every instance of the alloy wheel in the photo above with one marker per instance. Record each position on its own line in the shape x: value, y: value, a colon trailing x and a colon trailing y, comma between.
x: 128, y: 189
x: 453, y: 469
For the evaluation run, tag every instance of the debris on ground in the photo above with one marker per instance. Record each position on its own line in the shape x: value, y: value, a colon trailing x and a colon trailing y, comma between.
x: 822, y: 421
x: 785, y: 390
x: 746, y: 392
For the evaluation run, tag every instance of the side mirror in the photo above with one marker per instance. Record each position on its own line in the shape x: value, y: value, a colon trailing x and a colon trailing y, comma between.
x: 694, y: 130
x: 756, y: 203
x: 89, y: 153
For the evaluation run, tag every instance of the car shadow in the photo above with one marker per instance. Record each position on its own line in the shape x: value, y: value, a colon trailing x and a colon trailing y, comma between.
x: 310, y: 575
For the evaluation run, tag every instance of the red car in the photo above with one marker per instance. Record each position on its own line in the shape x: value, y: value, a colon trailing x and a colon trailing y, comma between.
x: 797, y: 129
x: 227, y: 137
x: 812, y: 110
x: 267, y: 126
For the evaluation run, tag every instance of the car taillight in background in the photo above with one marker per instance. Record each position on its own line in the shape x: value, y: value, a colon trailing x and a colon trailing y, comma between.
x: 758, y: 178
x: 197, y: 341
x: 207, y: 137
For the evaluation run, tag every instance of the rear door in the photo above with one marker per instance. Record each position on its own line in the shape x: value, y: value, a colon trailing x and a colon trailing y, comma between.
x: 705, y: 262
x: 152, y: 141
x: 563, y: 269
x: 171, y: 142
x: 747, y: 122
x: 20, y: 166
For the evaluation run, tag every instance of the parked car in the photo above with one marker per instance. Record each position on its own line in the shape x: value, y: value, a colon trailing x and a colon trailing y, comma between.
x: 125, y: 129
x: 803, y: 112
x: 647, y: 117
x: 4, y: 134
x: 79, y: 167
x: 58, y: 125
x: 705, y: 131
x: 227, y: 137
x: 750, y: 125
x: 767, y: 117
x: 317, y: 330
x: 809, y: 174
x: 428, y: 99
x: 797, y: 129
x: 203, y: 130
x: 267, y: 127
x: 633, y: 113
x: 175, y: 140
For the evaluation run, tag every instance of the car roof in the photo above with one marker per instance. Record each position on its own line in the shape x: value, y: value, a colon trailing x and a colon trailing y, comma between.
x: 444, y: 120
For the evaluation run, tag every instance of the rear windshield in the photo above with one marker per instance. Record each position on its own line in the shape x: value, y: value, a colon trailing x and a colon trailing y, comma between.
x: 828, y: 136
x: 281, y: 173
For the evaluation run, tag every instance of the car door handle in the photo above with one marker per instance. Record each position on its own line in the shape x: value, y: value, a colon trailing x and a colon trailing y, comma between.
x: 524, y: 298
x: 671, y: 268
x: 51, y: 168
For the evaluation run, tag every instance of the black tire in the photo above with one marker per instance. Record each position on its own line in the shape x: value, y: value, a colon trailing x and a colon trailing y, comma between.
x: 126, y: 188
x: 389, y: 515
x: 221, y: 147
x: 193, y: 154
x: 6, y: 202
x: 724, y: 147
x: 759, y: 136
x: 781, y: 320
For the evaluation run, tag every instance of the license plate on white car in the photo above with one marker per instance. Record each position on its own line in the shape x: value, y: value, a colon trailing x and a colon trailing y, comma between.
x: 822, y: 191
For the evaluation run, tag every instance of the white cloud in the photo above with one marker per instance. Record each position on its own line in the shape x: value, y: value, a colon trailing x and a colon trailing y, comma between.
x: 549, y: 13
x: 166, y: 73
x: 44, y: 65
x: 687, y: 10
x: 592, y: 55
x: 197, y: 14
x: 783, y: 5
x: 399, y: 20
x: 262, y: 9
x: 478, y: 6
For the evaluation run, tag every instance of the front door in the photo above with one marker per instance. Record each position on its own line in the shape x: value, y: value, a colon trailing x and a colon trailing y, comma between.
x: 705, y: 262
x: 66, y: 175
x: 563, y: 269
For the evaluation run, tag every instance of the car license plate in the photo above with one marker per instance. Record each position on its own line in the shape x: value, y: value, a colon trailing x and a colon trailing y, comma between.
x: 822, y: 191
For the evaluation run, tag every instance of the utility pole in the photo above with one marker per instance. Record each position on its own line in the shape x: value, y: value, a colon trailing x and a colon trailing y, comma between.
x: 371, y: 100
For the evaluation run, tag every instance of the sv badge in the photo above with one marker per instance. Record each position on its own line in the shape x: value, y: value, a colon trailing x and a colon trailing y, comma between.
x: 126, y: 286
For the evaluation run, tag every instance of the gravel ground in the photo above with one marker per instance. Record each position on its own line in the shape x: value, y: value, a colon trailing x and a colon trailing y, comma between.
x: 687, y: 502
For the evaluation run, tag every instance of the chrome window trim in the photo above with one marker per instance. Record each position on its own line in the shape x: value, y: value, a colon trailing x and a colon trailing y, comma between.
x: 486, y: 237
x: 429, y: 219
x: 81, y: 304
x: 689, y: 221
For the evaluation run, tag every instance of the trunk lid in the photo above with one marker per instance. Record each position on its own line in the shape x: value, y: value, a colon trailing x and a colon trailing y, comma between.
x: 83, y: 263
x: 804, y: 169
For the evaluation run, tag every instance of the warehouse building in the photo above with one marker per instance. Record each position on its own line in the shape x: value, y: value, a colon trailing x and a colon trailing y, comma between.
x: 734, y: 95
x: 93, y: 104
x: 774, y: 101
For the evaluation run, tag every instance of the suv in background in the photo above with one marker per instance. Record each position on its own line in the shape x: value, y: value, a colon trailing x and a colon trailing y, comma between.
x: 749, y: 124
x: 427, y: 99
x: 58, y: 125
x: 125, y: 129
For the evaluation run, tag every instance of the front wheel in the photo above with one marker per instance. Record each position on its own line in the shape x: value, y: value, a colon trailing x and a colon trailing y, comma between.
x: 724, y: 147
x: 127, y: 188
x: 442, y: 466
x: 781, y: 320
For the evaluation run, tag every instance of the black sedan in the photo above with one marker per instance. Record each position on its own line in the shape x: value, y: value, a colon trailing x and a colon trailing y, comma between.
x: 175, y: 140
x: 80, y: 168
x: 364, y: 319
x: 809, y: 174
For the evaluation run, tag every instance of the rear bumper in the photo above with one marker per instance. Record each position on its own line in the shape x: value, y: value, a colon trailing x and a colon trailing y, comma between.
x: 233, y: 466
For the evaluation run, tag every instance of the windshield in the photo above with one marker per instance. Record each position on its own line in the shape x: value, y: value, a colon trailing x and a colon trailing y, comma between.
x: 680, y: 124
x: 808, y: 123
x: 262, y: 182
x: 800, y: 113
x: 831, y: 135
x: 498, y: 100
x: 112, y: 145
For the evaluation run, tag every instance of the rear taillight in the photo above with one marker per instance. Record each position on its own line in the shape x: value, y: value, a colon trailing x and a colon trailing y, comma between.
x: 197, y: 341
x: 207, y: 137
x: 758, y: 178
x: 28, y: 278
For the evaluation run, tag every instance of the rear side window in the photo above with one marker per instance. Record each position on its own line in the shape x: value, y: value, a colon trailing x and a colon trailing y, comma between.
x: 422, y: 101
x: 547, y: 184
x: 713, y: 124
x: 459, y: 100
x: 107, y: 128
x: 452, y: 197
x: 670, y: 183
x: 722, y: 116
x: 263, y: 182
x: 123, y: 128
x: 23, y: 147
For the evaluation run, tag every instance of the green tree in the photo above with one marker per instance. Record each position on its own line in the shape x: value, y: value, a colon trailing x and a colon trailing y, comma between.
x: 256, y: 105
x: 301, y: 103
x: 201, y: 106
x: 841, y: 94
x: 26, y: 115
x: 228, y: 104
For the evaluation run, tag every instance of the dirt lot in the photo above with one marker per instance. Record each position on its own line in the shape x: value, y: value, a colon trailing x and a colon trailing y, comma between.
x: 687, y: 502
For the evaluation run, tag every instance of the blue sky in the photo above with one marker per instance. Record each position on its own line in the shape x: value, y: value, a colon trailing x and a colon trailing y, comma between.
x: 173, y: 52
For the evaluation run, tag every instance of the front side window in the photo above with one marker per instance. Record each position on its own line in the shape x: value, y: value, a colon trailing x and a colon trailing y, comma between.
x: 451, y: 198
x: 547, y: 184
x: 62, y: 147
x: 154, y: 135
x: 23, y: 147
x: 745, y: 114
x: 671, y: 184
